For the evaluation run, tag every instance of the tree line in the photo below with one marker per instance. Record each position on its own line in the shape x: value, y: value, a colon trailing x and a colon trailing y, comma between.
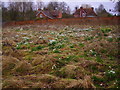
x: 19, y: 11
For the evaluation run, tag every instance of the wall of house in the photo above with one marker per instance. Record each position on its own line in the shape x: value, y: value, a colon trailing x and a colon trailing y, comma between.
x: 42, y: 15
x: 60, y: 15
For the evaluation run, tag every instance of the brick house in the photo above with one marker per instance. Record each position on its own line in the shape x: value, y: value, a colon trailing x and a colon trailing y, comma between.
x: 84, y: 12
x: 48, y: 14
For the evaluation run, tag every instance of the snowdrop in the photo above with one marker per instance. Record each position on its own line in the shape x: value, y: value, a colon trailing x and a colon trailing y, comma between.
x: 26, y: 43
x: 62, y: 35
x: 54, y: 66
x: 51, y: 41
x: 31, y: 42
x: 101, y: 84
x: 24, y: 33
x: 82, y: 34
x: 25, y: 37
x: 91, y: 50
x: 111, y: 71
x: 110, y: 36
x: 40, y: 37
x: 16, y: 35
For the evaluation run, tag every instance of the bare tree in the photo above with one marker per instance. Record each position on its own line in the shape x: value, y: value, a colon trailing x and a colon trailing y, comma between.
x: 117, y: 7
x: 40, y: 4
x: 68, y: 10
x: 100, y: 9
x: 86, y: 5
x: 102, y: 12
x: 63, y: 7
x: 53, y: 6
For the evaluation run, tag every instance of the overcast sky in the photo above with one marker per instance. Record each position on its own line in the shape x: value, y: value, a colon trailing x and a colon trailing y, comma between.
x: 108, y: 4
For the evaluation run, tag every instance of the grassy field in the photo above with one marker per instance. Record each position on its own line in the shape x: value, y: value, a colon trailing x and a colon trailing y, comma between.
x: 61, y: 56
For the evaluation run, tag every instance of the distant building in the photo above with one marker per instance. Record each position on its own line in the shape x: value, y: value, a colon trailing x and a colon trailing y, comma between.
x: 84, y: 12
x: 48, y: 14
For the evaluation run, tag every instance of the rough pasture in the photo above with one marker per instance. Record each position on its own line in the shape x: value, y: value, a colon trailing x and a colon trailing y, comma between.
x: 61, y: 56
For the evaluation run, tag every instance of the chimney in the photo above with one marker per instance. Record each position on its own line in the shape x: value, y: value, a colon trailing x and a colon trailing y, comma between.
x: 39, y: 9
x: 92, y: 8
x: 76, y: 8
x: 81, y: 7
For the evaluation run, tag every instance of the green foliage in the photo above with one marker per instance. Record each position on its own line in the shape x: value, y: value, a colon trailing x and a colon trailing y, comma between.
x: 89, y: 38
x: 96, y: 79
x: 106, y: 30
x: 59, y: 46
x: 81, y: 45
x: 53, y: 43
x: 71, y: 46
x: 18, y: 47
x: 110, y: 39
x: 94, y: 69
x: 37, y: 48
x: 23, y: 45
x: 62, y: 61
x: 99, y: 59
x: 110, y: 74
x: 103, y: 51
x: 105, y: 34
x: 64, y: 15
x: 56, y: 51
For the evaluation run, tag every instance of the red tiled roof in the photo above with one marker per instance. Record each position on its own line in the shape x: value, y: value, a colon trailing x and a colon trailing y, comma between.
x: 49, y: 14
x: 88, y: 11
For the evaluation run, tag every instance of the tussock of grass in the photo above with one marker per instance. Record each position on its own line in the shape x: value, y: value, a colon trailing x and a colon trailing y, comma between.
x: 23, y: 68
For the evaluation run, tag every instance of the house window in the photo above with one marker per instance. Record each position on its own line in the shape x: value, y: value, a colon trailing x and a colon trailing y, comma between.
x: 41, y: 16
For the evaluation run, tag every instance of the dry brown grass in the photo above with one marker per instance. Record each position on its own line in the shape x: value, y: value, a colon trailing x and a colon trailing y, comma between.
x: 71, y: 62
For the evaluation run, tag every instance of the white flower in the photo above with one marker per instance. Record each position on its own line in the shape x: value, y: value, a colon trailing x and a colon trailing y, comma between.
x: 51, y: 41
x: 110, y: 36
x: 82, y: 34
x: 40, y: 37
x: 24, y: 33
x: 109, y: 66
x: 25, y: 37
x: 54, y: 66
x: 91, y: 51
x: 26, y: 43
x: 111, y: 71
x: 101, y: 84
x: 16, y: 35
x: 31, y: 42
